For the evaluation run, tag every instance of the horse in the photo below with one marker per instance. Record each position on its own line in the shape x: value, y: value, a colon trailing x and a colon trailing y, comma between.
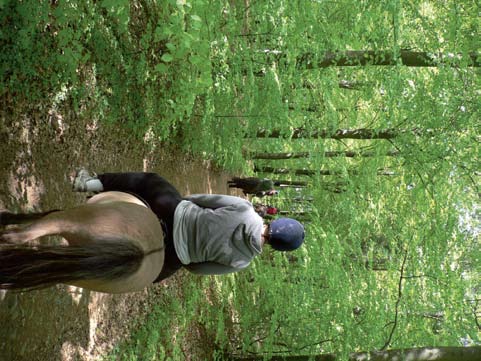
x: 252, y: 185
x: 115, y: 245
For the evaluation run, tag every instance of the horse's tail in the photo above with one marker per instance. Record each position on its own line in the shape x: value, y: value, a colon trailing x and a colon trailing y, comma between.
x: 19, y: 218
x: 26, y: 267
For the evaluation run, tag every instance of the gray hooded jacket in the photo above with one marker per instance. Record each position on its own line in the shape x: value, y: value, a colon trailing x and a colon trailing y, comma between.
x: 216, y: 234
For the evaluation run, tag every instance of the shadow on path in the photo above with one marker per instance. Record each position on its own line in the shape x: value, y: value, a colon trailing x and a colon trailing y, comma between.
x: 39, y: 156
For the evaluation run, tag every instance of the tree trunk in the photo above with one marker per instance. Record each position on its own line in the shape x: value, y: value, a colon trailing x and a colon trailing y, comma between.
x: 311, y: 172
x: 298, y: 199
x: 279, y: 182
x: 416, y: 354
x: 294, y: 171
x: 361, y: 133
x: 292, y: 186
x: 343, y: 84
x: 373, y: 57
x: 328, y: 154
x: 352, y: 85
x: 293, y: 213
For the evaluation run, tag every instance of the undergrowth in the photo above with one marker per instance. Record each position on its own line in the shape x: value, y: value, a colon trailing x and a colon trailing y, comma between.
x: 144, y: 65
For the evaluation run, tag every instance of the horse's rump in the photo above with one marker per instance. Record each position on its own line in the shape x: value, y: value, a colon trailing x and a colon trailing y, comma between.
x: 115, y: 244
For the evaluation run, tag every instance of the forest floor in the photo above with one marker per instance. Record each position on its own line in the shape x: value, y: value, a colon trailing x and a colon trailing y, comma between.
x: 40, y: 150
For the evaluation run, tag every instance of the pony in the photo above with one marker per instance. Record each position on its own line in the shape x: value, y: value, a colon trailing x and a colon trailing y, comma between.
x: 115, y: 245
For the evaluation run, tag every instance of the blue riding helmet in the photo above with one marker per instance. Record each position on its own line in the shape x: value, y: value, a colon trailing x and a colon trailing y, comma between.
x: 286, y: 234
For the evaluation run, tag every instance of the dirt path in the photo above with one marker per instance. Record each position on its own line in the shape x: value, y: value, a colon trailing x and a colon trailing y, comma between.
x: 38, y: 154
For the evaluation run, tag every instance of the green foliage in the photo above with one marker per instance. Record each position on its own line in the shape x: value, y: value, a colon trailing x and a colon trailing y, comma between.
x: 140, y: 64
x: 390, y: 260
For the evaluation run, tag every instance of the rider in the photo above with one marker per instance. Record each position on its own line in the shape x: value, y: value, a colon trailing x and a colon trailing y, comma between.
x: 252, y: 185
x: 205, y: 233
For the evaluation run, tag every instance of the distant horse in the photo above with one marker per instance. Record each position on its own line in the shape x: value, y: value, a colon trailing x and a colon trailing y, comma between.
x: 115, y: 245
x: 252, y: 185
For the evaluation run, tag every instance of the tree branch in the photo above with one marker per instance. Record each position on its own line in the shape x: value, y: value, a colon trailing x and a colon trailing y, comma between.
x: 398, y: 301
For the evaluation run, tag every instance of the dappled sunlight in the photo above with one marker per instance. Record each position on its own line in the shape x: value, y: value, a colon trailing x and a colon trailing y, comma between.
x: 209, y: 184
x: 97, y: 308
x: 76, y: 293
x: 25, y: 187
